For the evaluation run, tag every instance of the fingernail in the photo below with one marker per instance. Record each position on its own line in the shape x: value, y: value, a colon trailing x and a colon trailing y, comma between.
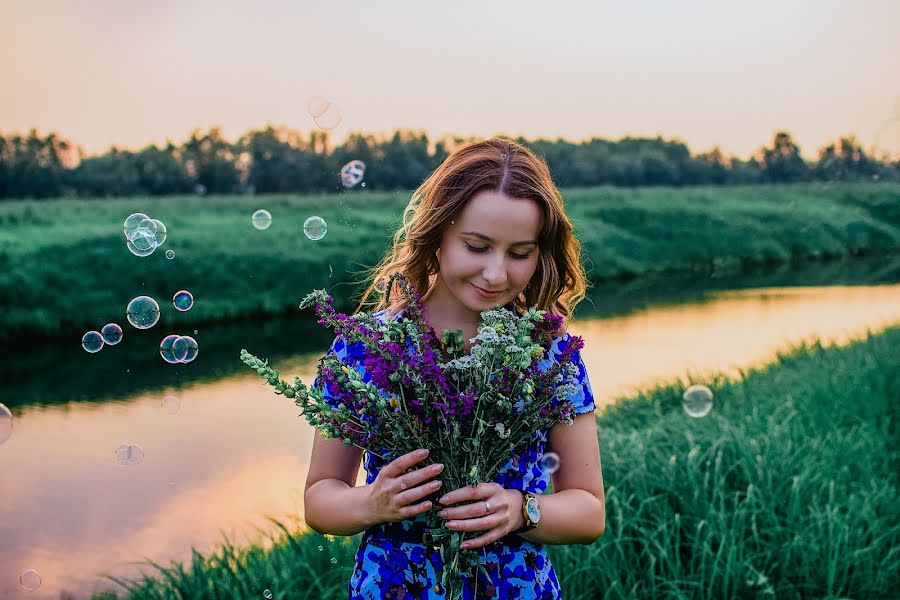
x: 443, y: 500
x: 423, y: 453
x: 443, y: 513
x: 465, y: 545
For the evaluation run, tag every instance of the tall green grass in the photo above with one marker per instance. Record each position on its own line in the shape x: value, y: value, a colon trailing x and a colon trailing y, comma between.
x: 787, y: 489
x: 64, y: 267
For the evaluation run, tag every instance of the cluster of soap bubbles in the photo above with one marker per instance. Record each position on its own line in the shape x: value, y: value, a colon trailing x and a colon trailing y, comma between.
x: 129, y: 454
x: 325, y: 113
x: 6, y: 421
x: 110, y: 335
x: 178, y: 349
x: 143, y: 235
x: 697, y: 401
x: 30, y: 580
x: 353, y: 173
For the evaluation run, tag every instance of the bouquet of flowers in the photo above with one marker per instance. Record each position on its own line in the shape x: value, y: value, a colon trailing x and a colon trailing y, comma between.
x: 473, y: 410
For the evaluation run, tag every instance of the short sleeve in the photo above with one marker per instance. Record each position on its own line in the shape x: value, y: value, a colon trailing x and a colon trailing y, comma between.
x: 349, y: 354
x: 582, y: 398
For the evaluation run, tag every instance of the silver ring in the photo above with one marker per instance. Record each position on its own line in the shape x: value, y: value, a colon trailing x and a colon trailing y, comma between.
x: 487, y: 507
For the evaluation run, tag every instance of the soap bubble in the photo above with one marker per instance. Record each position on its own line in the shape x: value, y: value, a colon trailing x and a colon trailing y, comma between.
x: 550, y: 462
x: 191, y: 345
x: 697, y: 400
x: 145, y: 249
x: 129, y: 454
x: 315, y: 228
x: 167, y: 350
x: 261, y: 219
x: 352, y: 173
x: 142, y: 312
x: 112, y: 333
x: 334, y: 560
x: 170, y: 254
x: 183, y: 300
x: 160, y: 233
x: 132, y: 222
x: 200, y: 189
x: 325, y: 113
x: 6, y: 421
x: 92, y: 341
x: 171, y: 404
x: 267, y: 594
x: 30, y: 580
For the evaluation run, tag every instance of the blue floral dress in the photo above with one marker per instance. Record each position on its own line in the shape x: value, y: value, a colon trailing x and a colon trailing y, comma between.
x: 394, y: 560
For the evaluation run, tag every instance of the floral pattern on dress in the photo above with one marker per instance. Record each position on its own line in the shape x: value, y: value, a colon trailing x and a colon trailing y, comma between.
x: 388, y: 566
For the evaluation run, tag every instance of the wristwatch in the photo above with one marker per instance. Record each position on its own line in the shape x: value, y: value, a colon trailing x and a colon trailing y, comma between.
x: 531, y: 510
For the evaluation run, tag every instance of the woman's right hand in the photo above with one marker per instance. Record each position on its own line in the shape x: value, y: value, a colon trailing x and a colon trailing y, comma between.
x: 395, y: 494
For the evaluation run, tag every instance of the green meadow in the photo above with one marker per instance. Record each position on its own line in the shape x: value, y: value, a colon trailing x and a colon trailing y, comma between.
x: 64, y: 267
x: 787, y: 489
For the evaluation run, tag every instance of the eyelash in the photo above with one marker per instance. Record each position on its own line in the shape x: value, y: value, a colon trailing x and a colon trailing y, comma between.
x: 479, y: 250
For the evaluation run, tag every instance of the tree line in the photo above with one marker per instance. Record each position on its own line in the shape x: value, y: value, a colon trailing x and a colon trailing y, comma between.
x: 278, y: 159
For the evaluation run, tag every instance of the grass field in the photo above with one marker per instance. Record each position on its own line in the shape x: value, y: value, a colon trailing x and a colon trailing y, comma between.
x: 64, y: 268
x: 787, y: 489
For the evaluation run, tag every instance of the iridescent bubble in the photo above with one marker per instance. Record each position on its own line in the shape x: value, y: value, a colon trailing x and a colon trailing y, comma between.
x: 183, y: 300
x: 132, y: 222
x: 6, y: 422
x: 321, y: 549
x: 352, y: 173
x: 267, y: 594
x: 112, y: 333
x: 166, y: 350
x: 325, y: 113
x: 315, y: 228
x: 129, y: 454
x: 550, y: 462
x: 171, y: 404
x: 697, y: 400
x: 145, y: 249
x: 261, y: 219
x: 333, y: 560
x: 161, y: 231
x: 30, y: 580
x: 170, y: 254
x: 92, y: 341
x: 190, y: 344
x: 142, y: 312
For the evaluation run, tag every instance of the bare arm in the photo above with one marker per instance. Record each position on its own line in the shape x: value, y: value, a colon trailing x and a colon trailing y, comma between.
x: 575, y: 513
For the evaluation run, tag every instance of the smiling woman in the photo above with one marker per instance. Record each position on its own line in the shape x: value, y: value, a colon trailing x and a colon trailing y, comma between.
x: 486, y: 229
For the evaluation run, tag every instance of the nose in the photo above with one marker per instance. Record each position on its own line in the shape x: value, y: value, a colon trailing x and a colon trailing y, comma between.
x: 494, y: 272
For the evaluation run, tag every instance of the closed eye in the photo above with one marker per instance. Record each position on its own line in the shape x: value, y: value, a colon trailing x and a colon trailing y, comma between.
x: 480, y: 249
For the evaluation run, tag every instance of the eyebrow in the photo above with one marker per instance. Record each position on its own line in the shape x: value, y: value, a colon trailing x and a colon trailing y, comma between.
x: 487, y: 239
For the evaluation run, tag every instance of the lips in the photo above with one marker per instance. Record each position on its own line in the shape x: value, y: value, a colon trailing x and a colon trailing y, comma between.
x: 486, y: 294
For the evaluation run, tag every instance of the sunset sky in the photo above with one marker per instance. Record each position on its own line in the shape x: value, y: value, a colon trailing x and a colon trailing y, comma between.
x: 709, y: 73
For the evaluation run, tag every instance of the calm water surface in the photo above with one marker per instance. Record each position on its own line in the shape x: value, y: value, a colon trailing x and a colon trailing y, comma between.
x: 234, y: 453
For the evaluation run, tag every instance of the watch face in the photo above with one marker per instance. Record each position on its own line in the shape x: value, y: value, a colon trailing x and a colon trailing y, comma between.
x: 534, y: 510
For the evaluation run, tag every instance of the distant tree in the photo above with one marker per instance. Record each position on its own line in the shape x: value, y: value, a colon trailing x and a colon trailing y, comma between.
x: 209, y: 160
x: 783, y: 162
x: 846, y: 161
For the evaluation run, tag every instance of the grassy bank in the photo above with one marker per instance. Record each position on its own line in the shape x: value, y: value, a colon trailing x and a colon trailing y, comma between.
x: 64, y: 268
x: 787, y: 489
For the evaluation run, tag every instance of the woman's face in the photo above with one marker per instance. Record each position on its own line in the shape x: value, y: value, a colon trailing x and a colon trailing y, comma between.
x: 489, y: 253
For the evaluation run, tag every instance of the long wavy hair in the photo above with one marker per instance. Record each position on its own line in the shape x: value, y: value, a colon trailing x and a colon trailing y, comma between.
x: 498, y: 165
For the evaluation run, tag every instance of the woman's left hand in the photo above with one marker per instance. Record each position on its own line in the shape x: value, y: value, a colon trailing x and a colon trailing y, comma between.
x: 505, y: 512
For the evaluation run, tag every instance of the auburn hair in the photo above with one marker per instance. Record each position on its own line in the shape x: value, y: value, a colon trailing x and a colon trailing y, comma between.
x: 497, y: 165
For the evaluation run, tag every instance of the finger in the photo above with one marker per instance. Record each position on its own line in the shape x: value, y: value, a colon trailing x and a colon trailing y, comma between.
x: 400, y: 465
x: 479, y: 524
x: 408, y: 512
x: 417, y: 493
x: 466, y: 511
x: 483, y: 540
x: 416, y: 477
x: 470, y: 492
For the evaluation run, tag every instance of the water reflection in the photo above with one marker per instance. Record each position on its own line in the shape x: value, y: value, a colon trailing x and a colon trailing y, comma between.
x: 236, y: 452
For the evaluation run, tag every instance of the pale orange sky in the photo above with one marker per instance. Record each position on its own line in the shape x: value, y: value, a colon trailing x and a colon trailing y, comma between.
x: 102, y: 72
